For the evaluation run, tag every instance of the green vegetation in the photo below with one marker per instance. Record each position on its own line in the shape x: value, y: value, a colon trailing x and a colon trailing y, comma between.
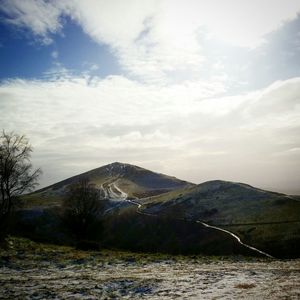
x: 40, y: 200
x: 20, y: 251
x: 273, y: 219
x: 165, y: 234
x: 135, y: 181
x: 266, y: 220
x: 227, y: 203
x: 282, y: 240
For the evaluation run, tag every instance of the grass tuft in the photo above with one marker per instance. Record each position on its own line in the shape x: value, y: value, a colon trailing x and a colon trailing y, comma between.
x: 245, y: 286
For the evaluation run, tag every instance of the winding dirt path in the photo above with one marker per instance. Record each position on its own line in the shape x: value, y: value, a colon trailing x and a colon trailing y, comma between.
x: 112, y: 191
x: 115, y: 193
x: 236, y: 237
x: 139, y: 206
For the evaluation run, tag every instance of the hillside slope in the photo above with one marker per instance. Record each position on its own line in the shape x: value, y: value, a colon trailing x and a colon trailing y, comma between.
x: 116, y: 181
x: 264, y: 219
x: 168, y: 208
x: 222, y: 202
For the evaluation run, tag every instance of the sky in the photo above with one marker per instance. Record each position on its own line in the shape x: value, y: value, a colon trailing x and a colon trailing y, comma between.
x: 197, y: 89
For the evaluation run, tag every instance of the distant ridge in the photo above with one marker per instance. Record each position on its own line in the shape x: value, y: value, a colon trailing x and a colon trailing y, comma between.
x: 226, y: 202
x: 266, y: 220
x: 137, y: 182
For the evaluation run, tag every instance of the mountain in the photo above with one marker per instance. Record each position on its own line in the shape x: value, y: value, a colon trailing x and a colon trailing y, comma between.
x: 170, y: 215
x: 265, y: 219
x: 117, y: 181
x: 223, y: 202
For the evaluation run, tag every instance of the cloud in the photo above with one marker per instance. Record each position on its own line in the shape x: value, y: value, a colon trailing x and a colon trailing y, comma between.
x: 157, y: 41
x: 79, y: 123
x: 162, y: 40
x: 41, y: 17
x: 279, y: 99
x: 169, y: 112
x: 94, y: 67
x: 54, y: 54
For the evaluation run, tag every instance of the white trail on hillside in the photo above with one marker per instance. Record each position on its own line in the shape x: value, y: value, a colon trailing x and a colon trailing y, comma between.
x: 236, y: 237
x: 113, y: 193
x: 123, y: 196
x: 139, y: 206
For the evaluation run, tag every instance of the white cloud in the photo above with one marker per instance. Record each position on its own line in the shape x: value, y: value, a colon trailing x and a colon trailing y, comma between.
x: 76, y: 124
x: 54, y: 54
x: 94, y: 67
x: 172, y: 120
x: 164, y: 37
x: 42, y: 17
x: 241, y: 23
x: 157, y: 39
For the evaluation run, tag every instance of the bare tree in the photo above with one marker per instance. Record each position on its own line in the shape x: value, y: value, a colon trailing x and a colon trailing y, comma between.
x: 82, y: 210
x: 16, y: 173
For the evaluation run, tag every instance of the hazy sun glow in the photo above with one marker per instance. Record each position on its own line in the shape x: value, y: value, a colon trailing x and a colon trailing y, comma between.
x: 199, y: 89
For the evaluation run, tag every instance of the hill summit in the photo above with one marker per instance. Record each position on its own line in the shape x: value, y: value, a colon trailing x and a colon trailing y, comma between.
x: 262, y: 219
x: 133, y: 181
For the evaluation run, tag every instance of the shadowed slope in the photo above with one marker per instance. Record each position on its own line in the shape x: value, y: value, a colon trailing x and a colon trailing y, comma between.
x: 264, y: 219
x: 222, y: 202
x: 135, y: 181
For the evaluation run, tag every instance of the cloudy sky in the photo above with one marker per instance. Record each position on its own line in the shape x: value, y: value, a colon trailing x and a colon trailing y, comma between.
x: 199, y: 89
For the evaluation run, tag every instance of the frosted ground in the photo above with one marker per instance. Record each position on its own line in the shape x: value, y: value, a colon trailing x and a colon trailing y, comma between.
x: 34, y: 271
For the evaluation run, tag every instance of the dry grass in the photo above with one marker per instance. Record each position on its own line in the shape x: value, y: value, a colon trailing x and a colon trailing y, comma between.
x: 245, y: 286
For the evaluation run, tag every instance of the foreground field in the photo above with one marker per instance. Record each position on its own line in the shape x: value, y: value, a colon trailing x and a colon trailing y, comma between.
x: 30, y: 270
